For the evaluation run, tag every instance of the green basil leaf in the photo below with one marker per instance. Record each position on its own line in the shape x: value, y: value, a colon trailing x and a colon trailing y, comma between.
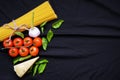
x: 35, y: 69
x: 41, y: 68
x: 19, y: 34
x: 50, y: 35
x: 43, y: 24
x: 16, y: 60
x: 42, y: 61
x: 57, y: 24
x: 42, y: 29
x: 25, y: 58
x: 19, y: 58
x: 44, y: 43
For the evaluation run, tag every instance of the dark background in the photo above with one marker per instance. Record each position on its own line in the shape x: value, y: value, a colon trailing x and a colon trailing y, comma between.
x: 86, y: 47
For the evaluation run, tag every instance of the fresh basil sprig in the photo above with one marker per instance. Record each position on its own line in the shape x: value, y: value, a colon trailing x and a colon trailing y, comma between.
x: 57, y: 24
x: 16, y: 60
x: 19, y: 34
x: 44, y: 43
x: 35, y: 69
x: 25, y: 58
x: 39, y: 66
x: 42, y: 61
x: 19, y: 59
x: 42, y: 29
x: 42, y: 26
x: 50, y: 35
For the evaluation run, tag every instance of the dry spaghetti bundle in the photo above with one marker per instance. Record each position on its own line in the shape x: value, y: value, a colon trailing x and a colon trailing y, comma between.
x: 42, y: 13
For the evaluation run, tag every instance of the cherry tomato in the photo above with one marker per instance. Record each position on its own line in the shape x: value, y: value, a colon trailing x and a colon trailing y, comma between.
x: 13, y: 52
x: 23, y: 51
x: 7, y: 43
x: 17, y: 42
x: 34, y: 51
x: 37, y: 42
x: 27, y: 41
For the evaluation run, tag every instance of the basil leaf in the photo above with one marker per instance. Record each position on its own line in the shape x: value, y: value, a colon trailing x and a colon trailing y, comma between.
x: 19, y: 34
x: 41, y: 68
x: 50, y: 35
x: 43, y: 24
x: 24, y: 58
x: 35, y: 69
x: 19, y: 58
x: 44, y: 43
x: 16, y: 60
x: 42, y: 61
x: 57, y: 24
x: 42, y: 29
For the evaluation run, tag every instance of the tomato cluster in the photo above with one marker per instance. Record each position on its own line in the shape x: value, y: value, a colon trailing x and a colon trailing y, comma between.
x: 23, y: 47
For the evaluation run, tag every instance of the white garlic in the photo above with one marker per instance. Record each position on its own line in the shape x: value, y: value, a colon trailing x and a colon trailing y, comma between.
x: 34, y: 32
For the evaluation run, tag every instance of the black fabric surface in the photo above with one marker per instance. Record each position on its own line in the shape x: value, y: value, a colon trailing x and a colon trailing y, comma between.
x: 86, y: 47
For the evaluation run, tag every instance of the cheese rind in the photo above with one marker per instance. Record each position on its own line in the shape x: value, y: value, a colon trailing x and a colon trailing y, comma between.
x: 23, y: 67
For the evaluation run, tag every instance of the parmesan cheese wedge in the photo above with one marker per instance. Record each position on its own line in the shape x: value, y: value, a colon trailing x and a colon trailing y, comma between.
x: 23, y: 67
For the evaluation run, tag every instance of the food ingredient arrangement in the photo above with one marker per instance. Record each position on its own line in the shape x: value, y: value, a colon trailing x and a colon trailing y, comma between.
x: 25, y: 49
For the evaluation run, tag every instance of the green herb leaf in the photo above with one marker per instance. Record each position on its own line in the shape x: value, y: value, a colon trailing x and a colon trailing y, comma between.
x: 43, y: 24
x: 35, y: 69
x: 41, y: 68
x: 42, y: 61
x: 44, y: 43
x: 57, y: 24
x: 42, y: 29
x: 16, y: 60
x: 19, y: 34
x: 24, y: 58
x: 19, y: 58
x: 50, y: 35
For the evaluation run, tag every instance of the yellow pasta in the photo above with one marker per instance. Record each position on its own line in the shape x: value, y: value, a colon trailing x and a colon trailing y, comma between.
x: 43, y: 12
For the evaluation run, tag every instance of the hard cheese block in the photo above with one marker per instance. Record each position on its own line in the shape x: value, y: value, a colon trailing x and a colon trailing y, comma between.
x: 42, y: 13
x: 23, y: 67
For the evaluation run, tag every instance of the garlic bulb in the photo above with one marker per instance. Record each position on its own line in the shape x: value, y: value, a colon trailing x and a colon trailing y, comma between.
x: 34, y: 32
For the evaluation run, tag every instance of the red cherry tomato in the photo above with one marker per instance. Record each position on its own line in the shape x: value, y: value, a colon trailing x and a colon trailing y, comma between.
x: 37, y: 42
x: 34, y: 51
x: 23, y: 51
x: 27, y: 41
x: 17, y: 42
x: 7, y: 43
x: 13, y: 52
